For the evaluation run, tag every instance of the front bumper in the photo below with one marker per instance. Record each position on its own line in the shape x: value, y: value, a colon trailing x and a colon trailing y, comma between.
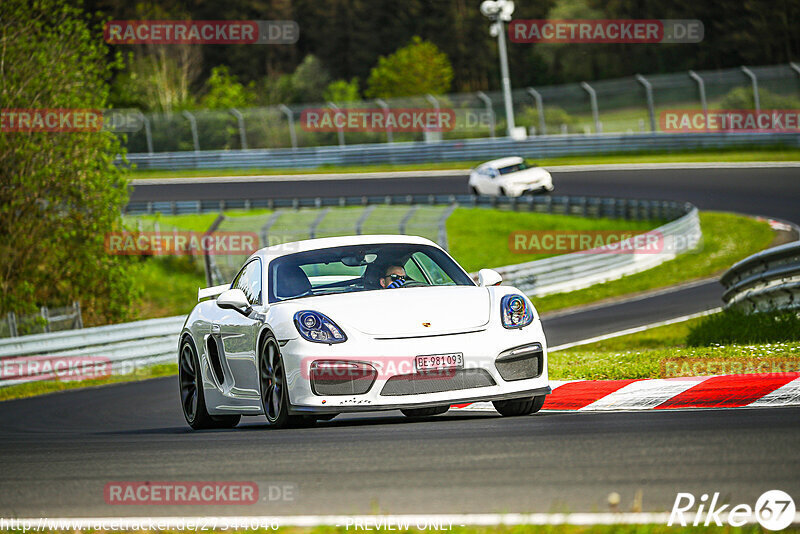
x: 394, y: 358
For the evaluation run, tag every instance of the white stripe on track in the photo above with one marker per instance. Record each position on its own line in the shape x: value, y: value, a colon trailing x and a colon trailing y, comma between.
x: 634, y: 330
x: 786, y: 395
x: 380, y: 521
x: 643, y: 394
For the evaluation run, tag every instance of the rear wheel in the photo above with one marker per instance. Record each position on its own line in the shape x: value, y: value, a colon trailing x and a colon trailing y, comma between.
x: 425, y: 412
x: 193, y: 400
x: 514, y: 407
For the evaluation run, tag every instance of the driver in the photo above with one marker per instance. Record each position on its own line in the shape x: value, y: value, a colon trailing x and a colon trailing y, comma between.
x: 394, y: 276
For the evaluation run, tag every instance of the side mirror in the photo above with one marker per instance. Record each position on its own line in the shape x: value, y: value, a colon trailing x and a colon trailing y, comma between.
x: 489, y: 277
x: 234, y: 299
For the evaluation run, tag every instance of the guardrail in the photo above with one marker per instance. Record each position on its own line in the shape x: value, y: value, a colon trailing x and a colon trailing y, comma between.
x: 767, y: 280
x: 453, y: 150
x: 125, y: 347
x: 578, y: 270
x: 129, y: 346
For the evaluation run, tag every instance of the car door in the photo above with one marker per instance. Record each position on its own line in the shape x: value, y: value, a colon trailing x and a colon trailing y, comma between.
x: 493, y: 179
x: 484, y: 181
x: 237, y: 335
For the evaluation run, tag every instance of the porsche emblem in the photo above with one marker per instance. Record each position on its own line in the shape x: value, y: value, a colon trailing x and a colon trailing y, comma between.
x: 426, y: 325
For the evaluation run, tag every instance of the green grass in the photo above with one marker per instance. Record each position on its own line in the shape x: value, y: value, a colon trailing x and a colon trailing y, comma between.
x: 727, y: 238
x: 169, y: 286
x: 728, y: 155
x: 735, y: 326
x: 31, y: 389
x: 479, y: 237
x: 645, y: 354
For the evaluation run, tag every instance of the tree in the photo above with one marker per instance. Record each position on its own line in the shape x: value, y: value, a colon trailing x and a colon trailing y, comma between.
x: 342, y: 91
x: 60, y: 193
x: 225, y: 92
x: 416, y: 69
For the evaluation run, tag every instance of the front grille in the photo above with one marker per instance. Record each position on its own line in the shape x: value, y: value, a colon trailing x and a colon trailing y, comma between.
x: 420, y: 383
x: 520, y: 363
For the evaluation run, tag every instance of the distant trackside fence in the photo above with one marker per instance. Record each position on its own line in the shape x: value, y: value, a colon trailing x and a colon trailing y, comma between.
x: 130, y: 346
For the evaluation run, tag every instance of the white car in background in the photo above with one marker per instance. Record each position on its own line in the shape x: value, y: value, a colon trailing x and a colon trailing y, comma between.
x: 509, y: 177
x: 307, y: 331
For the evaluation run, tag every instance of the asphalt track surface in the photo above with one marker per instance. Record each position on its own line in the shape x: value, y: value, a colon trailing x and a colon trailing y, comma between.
x: 59, y: 451
x: 758, y: 191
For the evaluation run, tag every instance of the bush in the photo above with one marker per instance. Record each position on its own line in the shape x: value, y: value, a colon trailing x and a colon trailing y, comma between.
x: 733, y: 326
x: 742, y: 98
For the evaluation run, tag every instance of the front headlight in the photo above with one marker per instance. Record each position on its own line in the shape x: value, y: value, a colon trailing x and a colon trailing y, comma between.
x: 515, y: 311
x: 318, y: 327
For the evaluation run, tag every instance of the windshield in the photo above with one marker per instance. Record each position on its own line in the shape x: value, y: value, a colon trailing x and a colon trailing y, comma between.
x: 514, y: 168
x: 362, y: 268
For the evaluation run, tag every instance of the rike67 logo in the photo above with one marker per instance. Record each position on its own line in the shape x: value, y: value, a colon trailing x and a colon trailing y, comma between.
x: 774, y: 510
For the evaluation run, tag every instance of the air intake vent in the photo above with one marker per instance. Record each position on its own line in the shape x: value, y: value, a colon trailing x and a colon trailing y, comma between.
x: 520, y: 363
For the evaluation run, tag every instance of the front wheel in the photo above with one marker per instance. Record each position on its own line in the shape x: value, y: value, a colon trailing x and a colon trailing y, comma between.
x: 193, y: 400
x: 515, y: 407
x: 474, y: 191
x: 274, y: 392
x: 425, y: 412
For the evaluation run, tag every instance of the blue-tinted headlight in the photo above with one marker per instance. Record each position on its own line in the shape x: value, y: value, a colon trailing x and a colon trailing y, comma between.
x: 318, y: 327
x: 515, y: 311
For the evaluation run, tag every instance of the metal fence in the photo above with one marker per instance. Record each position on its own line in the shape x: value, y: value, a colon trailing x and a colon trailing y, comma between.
x: 454, y: 151
x: 121, y: 348
x: 47, y: 320
x: 427, y: 216
x: 130, y: 346
x: 768, y: 280
x: 624, y: 105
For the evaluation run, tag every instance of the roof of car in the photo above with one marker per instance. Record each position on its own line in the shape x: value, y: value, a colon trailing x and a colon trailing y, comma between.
x: 342, y: 241
x: 503, y: 162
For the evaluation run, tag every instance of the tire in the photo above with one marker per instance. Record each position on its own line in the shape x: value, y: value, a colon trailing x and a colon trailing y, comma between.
x: 515, y: 407
x: 193, y: 401
x: 503, y: 192
x: 425, y: 412
x: 474, y: 191
x: 272, y: 383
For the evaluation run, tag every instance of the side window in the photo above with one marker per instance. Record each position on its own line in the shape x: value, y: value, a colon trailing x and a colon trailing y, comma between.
x: 413, y: 272
x: 249, y: 281
x: 435, y: 273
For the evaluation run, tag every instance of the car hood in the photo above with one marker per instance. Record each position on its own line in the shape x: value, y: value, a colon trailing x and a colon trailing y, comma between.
x: 525, y: 177
x: 404, y: 312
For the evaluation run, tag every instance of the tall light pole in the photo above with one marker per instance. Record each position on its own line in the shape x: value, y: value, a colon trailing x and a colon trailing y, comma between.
x: 499, y: 11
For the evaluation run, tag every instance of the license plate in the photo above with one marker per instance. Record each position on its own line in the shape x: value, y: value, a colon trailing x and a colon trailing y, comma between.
x: 435, y: 362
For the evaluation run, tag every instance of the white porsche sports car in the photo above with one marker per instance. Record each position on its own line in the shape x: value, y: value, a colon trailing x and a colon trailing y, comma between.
x: 311, y: 329
x: 509, y: 177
